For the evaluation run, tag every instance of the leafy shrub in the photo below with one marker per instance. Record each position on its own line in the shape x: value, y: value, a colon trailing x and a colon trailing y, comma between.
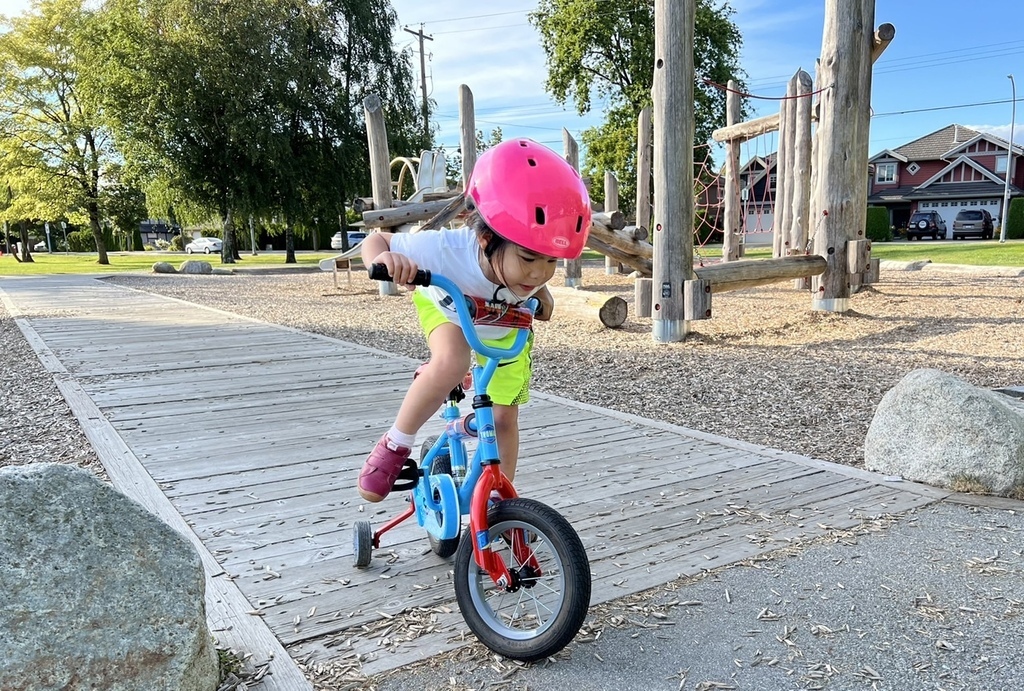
x: 176, y: 244
x: 1015, y: 220
x: 81, y: 241
x: 878, y: 228
x: 161, y: 244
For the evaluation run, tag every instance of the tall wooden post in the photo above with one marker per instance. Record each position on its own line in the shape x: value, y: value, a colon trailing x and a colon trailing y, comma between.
x: 732, y: 220
x: 573, y: 267
x: 467, y: 134
x: 644, y: 135
x: 673, y: 165
x: 611, y: 203
x: 843, y: 121
x: 780, y: 217
x: 801, y: 164
x: 380, y: 166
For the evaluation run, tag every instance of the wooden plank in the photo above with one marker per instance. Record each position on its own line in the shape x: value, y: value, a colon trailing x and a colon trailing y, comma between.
x: 226, y: 606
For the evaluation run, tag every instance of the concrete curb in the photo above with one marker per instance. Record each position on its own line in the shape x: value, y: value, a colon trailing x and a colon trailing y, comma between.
x: 928, y: 266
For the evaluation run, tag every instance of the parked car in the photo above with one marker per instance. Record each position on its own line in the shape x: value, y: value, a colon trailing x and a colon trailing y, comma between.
x: 354, y: 238
x: 926, y: 223
x: 973, y: 222
x: 204, y: 245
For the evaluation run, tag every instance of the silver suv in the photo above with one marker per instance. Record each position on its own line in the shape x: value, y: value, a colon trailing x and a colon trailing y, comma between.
x: 973, y: 222
x: 926, y: 224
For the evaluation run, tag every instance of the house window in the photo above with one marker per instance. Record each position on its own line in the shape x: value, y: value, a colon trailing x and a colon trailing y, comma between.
x: 913, y: 168
x: 885, y: 172
x: 1001, y: 164
x: 772, y: 179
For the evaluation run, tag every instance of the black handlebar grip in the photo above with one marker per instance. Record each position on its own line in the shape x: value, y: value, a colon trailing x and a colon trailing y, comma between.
x: 379, y: 272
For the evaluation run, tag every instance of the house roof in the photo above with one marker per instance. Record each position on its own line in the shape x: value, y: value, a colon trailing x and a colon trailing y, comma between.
x: 950, y: 190
x: 933, y: 146
x: 1001, y: 143
x: 888, y: 154
x: 894, y: 194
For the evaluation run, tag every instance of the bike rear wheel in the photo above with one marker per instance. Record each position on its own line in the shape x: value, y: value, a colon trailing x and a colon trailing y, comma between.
x: 546, y: 609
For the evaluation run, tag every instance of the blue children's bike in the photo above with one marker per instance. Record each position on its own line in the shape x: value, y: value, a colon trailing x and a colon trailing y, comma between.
x: 522, y: 578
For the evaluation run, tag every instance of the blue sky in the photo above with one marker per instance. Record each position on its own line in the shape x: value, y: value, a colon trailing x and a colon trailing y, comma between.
x: 946, y: 57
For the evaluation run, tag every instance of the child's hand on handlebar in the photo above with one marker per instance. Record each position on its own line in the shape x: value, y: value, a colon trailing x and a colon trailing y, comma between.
x: 402, y: 268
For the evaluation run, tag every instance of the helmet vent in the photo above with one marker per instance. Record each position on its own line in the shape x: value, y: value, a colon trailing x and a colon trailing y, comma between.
x: 579, y: 224
x: 539, y: 213
x: 532, y: 162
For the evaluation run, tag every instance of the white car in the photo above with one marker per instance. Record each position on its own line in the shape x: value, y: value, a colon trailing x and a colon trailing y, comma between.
x: 39, y: 246
x: 204, y: 245
x: 354, y: 238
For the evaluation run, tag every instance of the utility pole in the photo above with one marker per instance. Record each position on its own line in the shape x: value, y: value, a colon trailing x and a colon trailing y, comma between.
x: 423, y: 79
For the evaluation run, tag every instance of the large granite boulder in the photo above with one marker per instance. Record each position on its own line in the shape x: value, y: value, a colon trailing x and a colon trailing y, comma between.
x: 935, y: 428
x: 195, y: 266
x: 97, y: 592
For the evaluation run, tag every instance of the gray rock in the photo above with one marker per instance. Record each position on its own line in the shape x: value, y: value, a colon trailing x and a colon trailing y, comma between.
x: 164, y: 268
x: 98, y: 593
x: 935, y: 428
x: 195, y: 266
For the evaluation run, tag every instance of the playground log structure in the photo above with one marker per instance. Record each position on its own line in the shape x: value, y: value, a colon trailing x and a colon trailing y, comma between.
x: 819, y: 238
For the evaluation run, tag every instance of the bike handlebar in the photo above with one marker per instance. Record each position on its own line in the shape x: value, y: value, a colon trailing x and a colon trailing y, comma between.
x: 466, y: 308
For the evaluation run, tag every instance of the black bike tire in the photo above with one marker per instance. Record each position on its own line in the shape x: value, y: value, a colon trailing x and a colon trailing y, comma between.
x: 441, y: 464
x: 551, y: 526
x: 362, y: 543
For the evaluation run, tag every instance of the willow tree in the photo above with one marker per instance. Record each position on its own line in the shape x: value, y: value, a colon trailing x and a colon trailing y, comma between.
x: 56, y: 148
x: 605, y: 51
x: 331, y: 56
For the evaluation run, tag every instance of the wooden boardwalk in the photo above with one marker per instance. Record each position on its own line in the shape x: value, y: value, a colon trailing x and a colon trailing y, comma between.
x: 248, y: 437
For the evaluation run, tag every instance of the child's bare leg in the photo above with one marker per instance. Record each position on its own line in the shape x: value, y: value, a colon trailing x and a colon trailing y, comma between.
x: 506, y: 423
x: 449, y: 362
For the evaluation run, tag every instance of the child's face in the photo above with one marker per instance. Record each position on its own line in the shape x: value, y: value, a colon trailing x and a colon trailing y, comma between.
x: 523, y: 271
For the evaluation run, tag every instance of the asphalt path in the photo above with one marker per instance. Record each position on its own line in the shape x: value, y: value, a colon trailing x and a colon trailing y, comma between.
x: 931, y: 600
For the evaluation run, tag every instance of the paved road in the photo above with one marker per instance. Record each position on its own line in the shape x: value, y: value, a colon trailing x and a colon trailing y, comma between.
x: 934, y: 600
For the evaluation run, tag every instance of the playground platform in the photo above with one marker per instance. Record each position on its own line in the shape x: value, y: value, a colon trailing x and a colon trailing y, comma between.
x: 247, y: 437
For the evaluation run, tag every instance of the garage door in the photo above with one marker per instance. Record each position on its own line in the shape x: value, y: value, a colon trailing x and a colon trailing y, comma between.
x: 949, y: 210
x: 758, y: 229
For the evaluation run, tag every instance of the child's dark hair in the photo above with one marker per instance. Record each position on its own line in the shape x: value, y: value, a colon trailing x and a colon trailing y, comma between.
x: 494, y: 243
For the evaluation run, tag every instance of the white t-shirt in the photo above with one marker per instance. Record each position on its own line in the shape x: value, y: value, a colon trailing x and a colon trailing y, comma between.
x: 453, y: 253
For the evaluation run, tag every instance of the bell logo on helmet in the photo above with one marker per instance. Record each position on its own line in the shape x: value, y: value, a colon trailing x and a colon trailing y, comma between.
x: 560, y: 242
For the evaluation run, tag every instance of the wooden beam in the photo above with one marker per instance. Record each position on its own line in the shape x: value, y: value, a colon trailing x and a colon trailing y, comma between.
x: 751, y: 273
x: 884, y: 35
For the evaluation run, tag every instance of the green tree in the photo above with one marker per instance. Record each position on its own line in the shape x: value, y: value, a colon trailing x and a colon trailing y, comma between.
x: 56, y: 148
x: 126, y: 209
x: 453, y: 162
x: 1015, y: 219
x: 332, y: 55
x: 597, y: 51
x: 878, y: 228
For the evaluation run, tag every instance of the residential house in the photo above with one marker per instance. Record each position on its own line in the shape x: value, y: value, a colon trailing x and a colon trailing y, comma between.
x: 946, y: 171
x: 757, y: 197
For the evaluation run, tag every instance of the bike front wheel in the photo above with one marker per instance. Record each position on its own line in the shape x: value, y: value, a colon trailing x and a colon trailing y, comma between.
x: 547, y: 606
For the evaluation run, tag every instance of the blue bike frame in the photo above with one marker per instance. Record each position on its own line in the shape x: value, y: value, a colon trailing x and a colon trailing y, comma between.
x: 437, y: 496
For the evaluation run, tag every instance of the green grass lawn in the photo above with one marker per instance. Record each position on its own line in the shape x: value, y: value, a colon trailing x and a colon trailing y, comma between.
x: 977, y: 252
x: 59, y: 263
x: 973, y: 252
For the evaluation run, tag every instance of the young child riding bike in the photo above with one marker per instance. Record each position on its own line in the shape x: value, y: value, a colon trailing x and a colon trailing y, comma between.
x: 528, y: 208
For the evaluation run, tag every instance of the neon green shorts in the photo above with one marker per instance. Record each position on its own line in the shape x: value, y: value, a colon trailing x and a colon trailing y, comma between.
x: 511, y: 382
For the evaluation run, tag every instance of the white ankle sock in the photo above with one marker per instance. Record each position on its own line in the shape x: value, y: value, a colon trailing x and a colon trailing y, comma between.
x: 401, y: 438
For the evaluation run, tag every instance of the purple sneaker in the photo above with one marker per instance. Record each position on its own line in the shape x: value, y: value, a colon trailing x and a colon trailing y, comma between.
x: 381, y: 469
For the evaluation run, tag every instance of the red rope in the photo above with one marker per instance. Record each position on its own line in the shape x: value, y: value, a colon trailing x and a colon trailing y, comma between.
x: 763, y: 98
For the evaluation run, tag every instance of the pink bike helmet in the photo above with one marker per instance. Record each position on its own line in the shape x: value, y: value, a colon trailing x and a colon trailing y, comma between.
x: 530, y: 196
